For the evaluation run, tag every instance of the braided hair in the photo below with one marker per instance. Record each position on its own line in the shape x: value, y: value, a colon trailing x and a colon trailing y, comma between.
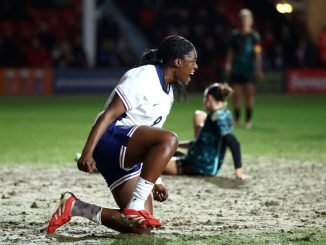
x: 172, y: 47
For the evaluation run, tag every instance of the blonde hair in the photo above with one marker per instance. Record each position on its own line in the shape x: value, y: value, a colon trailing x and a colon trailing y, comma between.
x: 245, y: 12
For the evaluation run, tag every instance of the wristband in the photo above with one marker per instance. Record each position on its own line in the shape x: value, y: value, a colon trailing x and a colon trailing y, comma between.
x: 159, y: 181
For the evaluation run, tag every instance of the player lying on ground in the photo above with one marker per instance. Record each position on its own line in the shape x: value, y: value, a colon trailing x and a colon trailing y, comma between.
x: 126, y: 144
x: 213, y: 135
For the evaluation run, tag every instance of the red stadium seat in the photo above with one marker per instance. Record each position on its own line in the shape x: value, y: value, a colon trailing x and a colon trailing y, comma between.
x: 25, y: 30
x: 7, y: 28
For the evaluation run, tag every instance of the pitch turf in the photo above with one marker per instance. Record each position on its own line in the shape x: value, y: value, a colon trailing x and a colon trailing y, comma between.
x: 49, y: 130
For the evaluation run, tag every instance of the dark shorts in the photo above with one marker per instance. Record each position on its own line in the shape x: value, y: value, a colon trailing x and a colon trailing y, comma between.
x: 109, y: 155
x: 187, y: 165
x: 241, y: 80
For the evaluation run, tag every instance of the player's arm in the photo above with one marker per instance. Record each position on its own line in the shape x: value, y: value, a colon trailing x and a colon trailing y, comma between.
x: 228, y: 63
x: 86, y: 162
x: 259, y: 59
x: 234, y: 146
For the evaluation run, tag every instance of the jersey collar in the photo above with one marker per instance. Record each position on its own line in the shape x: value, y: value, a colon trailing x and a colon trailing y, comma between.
x: 159, y: 71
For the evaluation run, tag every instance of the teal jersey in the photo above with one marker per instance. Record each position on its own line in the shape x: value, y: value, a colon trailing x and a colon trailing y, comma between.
x: 242, y: 45
x: 206, y: 154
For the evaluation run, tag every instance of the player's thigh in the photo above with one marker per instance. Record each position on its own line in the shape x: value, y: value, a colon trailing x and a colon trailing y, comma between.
x: 143, y: 139
x: 122, y: 194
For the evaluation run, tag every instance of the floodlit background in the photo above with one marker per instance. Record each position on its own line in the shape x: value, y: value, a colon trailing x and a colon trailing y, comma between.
x: 53, y: 47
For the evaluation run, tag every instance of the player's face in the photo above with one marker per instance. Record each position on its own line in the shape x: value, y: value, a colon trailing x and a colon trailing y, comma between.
x: 207, y: 101
x: 246, y: 22
x: 187, y: 67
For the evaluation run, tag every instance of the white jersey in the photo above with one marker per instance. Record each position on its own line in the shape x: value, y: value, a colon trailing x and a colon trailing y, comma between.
x: 146, y: 97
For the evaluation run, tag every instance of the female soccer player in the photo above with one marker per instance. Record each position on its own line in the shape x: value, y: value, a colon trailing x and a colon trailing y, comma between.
x: 244, y: 65
x: 214, y: 133
x: 127, y: 145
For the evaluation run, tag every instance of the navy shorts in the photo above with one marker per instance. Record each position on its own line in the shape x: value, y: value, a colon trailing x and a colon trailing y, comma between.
x: 110, y: 152
x: 241, y: 80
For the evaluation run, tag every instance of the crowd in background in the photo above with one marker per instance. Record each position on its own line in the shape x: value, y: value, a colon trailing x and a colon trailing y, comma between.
x: 41, y: 33
x: 48, y: 33
x: 209, y: 24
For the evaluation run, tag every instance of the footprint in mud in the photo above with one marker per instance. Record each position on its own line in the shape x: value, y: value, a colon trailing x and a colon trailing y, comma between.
x: 34, y: 205
x: 225, y: 182
x: 271, y: 203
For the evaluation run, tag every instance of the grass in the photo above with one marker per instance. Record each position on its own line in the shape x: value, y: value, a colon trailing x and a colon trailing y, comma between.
x: 298, y: 236
x: 284, y: 126
x: 49, y: 130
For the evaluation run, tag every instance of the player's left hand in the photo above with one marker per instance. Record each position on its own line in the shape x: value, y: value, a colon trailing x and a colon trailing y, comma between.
x: 160, y: 193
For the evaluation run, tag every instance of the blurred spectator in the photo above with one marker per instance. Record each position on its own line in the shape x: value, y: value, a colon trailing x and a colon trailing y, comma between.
x: 13, y: 10
x: 288, y: 42
x: 305, y: 53
x: 67, y: 55
x: 207, y: 24
x: 37, y: 55
x: 148, y: 14
x: 63, y: 56
x: 50, y: 3
x: 277, y: 57
x: 125, y: 52
x: 108, y: 55
x: 45, y: 36
x: 78, y: 53
x: 11, y: 54
x: 108, y: 28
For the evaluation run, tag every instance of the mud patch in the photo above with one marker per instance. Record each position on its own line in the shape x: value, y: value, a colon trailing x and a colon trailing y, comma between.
x: 283, y: 195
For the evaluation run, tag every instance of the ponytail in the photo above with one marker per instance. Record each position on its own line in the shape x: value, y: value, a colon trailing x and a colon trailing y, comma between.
x: 179, y: 90
x: 226, y: 90
x: 149, y: 57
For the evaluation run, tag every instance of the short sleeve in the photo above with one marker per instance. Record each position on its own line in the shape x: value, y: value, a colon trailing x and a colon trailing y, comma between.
x: 257, y: 38
x: 130, y: 91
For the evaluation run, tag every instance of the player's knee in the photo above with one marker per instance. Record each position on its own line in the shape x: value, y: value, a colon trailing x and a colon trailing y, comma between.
x: 199, y: 117
x: 199, y: 113
x: 171, y: 141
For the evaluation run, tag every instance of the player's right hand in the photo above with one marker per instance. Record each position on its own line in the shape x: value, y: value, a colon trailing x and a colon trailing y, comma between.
x: 86, y: 163
x: 160, y: 193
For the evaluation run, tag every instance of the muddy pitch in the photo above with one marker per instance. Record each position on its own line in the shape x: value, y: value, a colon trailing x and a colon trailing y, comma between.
x: 283, y: 195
